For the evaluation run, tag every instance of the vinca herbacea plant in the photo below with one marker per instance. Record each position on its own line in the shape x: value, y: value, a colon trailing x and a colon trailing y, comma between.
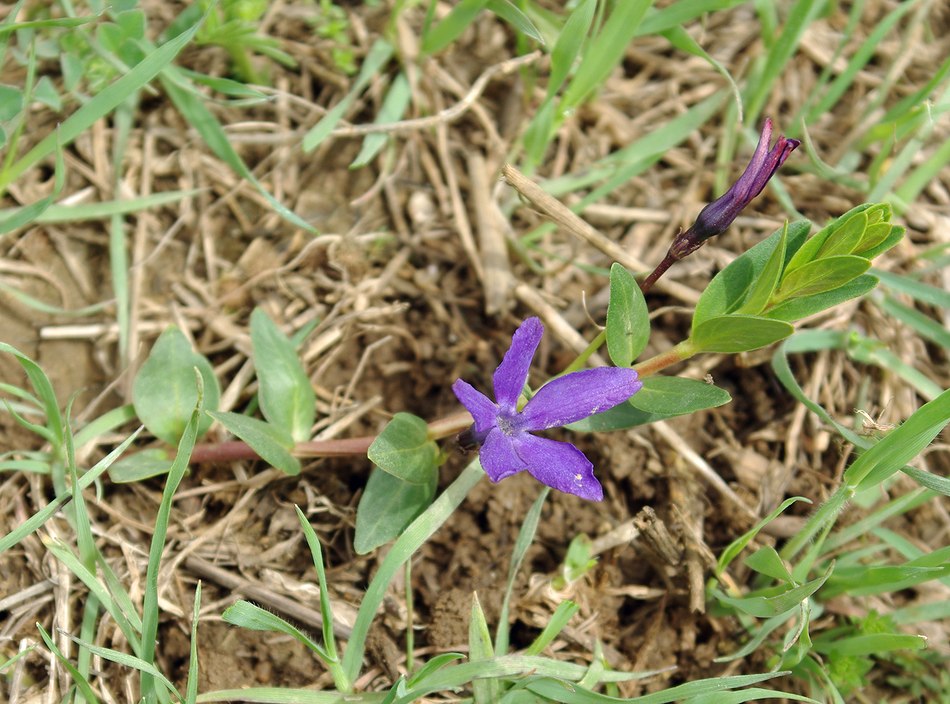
x: 256, y: 419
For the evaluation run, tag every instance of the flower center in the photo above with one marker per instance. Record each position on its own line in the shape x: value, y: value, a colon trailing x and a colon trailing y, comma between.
x: 506, y: 425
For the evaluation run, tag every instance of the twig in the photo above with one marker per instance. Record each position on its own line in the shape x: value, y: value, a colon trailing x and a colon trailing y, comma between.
x: 577, y: 226
x: 448, y: 114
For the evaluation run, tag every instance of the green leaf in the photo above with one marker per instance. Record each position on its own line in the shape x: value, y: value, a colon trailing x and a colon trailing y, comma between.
x: 286, y: 396
x: 809, y: 251
x: 766, y: 561
x: 569, y: 43
x: 271, y: 442
x: 783, y: 602
x: 764, y: 285
x: 487, y: 689
x: 739, y: 333
x: 164, y: 392
x: 11, y: 102
x: 798, y: 308
x: 392, y: 109
x: 661, y: 397
x: 387, y: 507
x: 199, y: 117
x: 326, y: 609
x: 247, y: 615
x: 609, y: 48
x: 628, y: 320
x: 510, y: 13
x: 141, y: 465
x: 740, y: 543
x: 451, y: 27
x: 895, y: 235
x: 934, y: 482
x: 845, y: 239
x: 556, y: 622
x: 870, y: 644
x: 377, y: 57
x: 915, y: 289
x: 405, y: 450
x: 13, y: 218
x: 820, y: 276
x: 675, y: 395
x: 900, y: 445
x: 729, y: 288
x: 100, y: 105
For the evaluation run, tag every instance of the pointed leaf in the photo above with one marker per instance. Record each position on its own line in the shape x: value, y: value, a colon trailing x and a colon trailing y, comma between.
x: 774, y: 605
x: 248, y: 615
x: 765, y: 284
x: 675, y: 395
x: 767, y: 561
x: 286, y: 396
x: 376, y: 59
x: 510, y: 13
x: 798, y: 308
x: 392, y: 109
x: 729, y: 287
x: 272, y: 443
x: 845, y: 239
x: 820, y: 276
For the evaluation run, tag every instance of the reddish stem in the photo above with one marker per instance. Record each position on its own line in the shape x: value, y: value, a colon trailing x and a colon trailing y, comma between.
x: 661, y: 268
x: 231, y: 450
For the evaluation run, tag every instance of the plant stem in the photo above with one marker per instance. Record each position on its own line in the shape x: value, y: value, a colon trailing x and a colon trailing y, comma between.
x: 647, y: 283
x: 231, y: 450
x: 582, y: 358
x: 679, y: 353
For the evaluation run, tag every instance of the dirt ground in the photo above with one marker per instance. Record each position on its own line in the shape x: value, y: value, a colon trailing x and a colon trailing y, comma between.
x: 405, y: 303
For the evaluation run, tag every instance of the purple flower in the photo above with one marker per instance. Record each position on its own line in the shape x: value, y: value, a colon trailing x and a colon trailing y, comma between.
x: 718, y: 215
x: 504, y: 432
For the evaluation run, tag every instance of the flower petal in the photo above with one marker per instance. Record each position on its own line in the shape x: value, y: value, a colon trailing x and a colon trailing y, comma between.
x: 478, y: 404
x: 512, y: 373
x: 499, y: 457
x: 560, y: 465
x: 574, y: 396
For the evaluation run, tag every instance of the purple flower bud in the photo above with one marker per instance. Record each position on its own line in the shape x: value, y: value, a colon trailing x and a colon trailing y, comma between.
x: 718, y: 215
x: 507, y: 447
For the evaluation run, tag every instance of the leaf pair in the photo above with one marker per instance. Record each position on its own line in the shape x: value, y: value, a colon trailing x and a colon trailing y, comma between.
x: 164, y: 392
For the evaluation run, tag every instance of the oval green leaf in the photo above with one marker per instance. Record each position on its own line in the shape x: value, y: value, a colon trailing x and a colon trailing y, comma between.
x: 405, y: 450
x: 672, y: 396
x: 165, y: 390
x: 798, y: 308
x: 286, y: 396
x: 661, y: 397
x: 628, y: 320
x: 821, y: 275
x: 739, y: 333
x: 387, y: 507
